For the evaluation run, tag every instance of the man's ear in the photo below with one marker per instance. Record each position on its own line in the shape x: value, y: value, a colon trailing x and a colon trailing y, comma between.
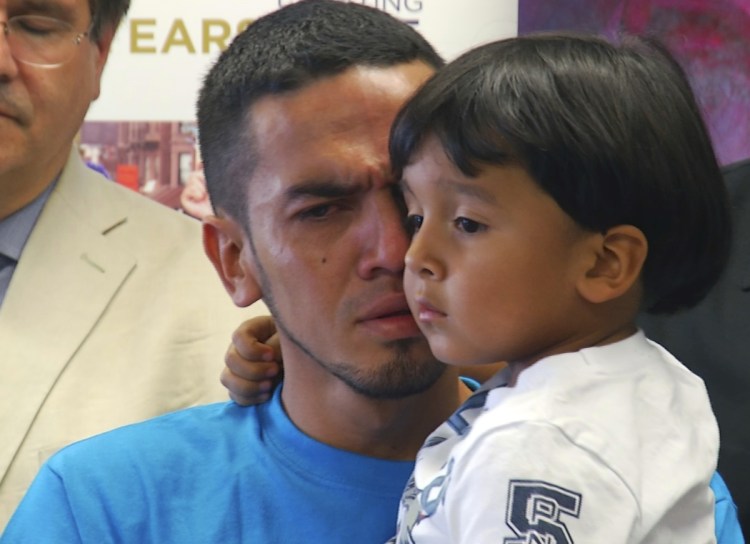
x: 101, y: 48
x: 229, y: 251
x: 618, y: 260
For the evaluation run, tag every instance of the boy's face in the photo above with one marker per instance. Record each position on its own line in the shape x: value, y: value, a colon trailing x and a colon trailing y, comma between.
x: 492, y: 267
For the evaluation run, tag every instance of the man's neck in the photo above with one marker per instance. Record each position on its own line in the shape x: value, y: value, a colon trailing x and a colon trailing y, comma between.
x: 385, y: 428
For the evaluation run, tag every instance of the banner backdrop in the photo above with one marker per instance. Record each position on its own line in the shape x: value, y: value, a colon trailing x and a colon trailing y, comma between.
x: 163, y: 48
x: 141, y: 131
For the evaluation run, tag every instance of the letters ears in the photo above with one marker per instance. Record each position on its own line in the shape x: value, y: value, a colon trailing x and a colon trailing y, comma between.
x: 615, y: 270
x: 229, y: 250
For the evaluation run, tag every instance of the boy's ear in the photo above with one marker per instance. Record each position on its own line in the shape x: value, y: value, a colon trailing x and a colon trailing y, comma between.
x: 229, y: 251
x: 618, y: 261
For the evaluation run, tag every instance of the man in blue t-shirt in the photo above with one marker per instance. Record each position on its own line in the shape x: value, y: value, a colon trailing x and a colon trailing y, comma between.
x: 294, y: 121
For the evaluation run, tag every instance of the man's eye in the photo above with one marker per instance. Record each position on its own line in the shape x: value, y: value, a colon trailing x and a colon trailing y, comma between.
x: 469, y: 226
x: 37, y: 26
x: 316, y: 212
x: 413, y: 222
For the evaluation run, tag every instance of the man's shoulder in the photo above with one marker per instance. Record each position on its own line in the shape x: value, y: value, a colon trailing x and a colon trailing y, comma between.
x: 170, y: 478
x: 199, y: 429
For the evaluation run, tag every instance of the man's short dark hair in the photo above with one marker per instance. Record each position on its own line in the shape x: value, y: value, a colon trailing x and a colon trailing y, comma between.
x: 106, y: 14
x: 611, y: 131
x: 281, y: 52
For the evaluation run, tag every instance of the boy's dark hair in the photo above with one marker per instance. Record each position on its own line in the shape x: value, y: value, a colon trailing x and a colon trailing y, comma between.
x: 611, y: 132
x: 285, y: 51
x: 105, y: 14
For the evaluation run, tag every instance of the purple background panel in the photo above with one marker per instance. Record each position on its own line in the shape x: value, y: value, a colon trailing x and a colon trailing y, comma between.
x: 710, y: 38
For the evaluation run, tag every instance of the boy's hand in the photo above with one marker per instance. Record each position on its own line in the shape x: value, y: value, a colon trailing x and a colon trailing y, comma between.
x: 253, y: 362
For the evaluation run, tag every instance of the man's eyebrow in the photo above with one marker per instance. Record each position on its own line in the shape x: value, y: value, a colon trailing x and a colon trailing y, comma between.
x: 49, y: 9
x: 321, y: 189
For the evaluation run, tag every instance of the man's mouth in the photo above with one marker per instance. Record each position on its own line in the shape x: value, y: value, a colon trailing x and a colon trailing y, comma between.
x: 390, y: 317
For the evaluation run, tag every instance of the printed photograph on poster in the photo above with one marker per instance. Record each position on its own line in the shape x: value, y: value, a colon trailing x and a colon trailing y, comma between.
x: 160, y: 160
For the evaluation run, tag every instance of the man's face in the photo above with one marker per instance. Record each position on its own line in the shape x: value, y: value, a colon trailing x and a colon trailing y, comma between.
x: 41, y: 109
x: 327, y: 235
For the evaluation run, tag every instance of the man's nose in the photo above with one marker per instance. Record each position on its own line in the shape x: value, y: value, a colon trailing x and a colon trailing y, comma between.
x: 8, y: 65
x: 385, y: 239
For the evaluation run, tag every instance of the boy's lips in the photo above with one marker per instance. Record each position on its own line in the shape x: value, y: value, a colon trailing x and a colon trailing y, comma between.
x: 426, y: 312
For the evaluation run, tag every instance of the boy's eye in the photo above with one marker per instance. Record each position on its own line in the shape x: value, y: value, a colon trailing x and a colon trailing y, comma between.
x: 468, y: 225
x: 413, y: 222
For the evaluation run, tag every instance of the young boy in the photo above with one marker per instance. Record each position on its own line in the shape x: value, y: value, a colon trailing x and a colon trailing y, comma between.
x: 556, y: 185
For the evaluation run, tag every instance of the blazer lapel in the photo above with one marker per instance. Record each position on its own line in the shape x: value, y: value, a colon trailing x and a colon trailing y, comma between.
x: 67, y: 276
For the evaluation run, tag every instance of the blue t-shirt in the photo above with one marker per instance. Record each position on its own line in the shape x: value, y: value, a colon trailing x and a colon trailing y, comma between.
x: 225, y: 474
x: 212, y: 474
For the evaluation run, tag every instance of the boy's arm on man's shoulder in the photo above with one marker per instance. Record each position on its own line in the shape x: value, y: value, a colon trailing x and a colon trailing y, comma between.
x: 253, y: 361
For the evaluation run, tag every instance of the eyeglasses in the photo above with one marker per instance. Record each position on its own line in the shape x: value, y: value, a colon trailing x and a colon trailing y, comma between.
x: 41, y: 41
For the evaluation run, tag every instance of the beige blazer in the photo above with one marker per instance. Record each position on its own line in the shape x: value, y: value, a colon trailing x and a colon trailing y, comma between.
x: 113, y: 315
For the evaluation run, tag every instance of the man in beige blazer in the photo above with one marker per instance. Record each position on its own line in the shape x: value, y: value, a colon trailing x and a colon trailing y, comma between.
x: 109, y: 311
